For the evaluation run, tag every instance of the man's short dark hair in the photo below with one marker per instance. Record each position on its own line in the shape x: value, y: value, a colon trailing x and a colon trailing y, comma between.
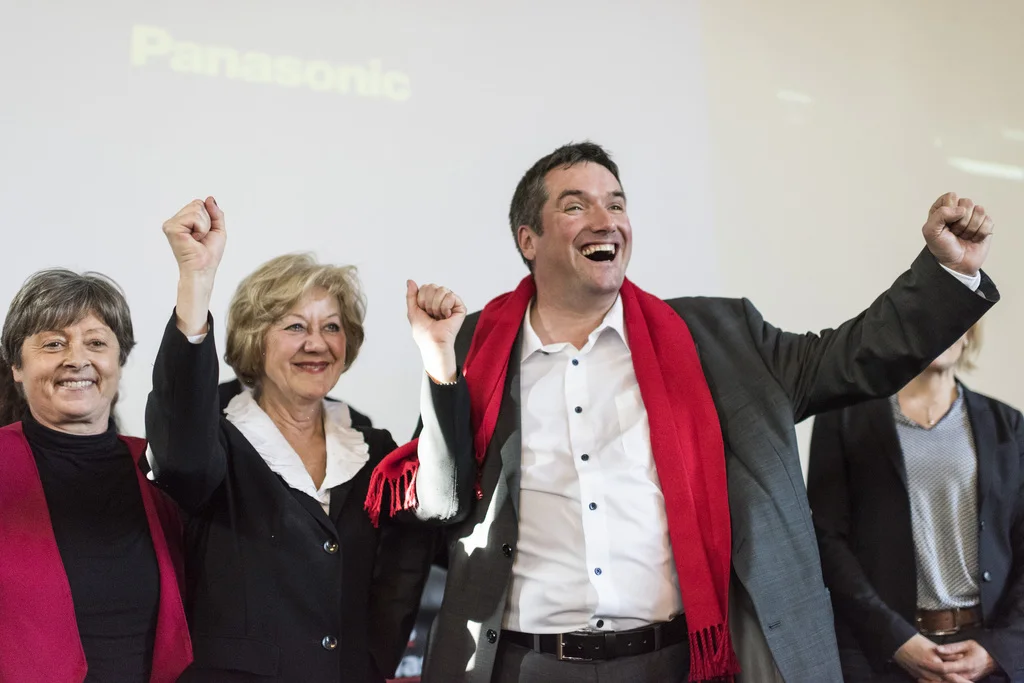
x: 531, y: 192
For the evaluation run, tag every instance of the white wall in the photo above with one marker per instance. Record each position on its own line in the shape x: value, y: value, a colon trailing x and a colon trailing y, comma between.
x: 109, y: 128
x: 836, y: 125
x: 783, y: 151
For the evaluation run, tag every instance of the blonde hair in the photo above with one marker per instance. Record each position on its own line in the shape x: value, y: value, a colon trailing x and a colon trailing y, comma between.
x: 266, y: 295
x: 972, y: 348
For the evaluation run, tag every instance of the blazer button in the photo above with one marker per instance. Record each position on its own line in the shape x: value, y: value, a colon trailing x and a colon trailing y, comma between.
x: 981, y: 524
x: 330, y: 547
x: 329, y: 642
x: 506, y: 550
x: 986, y: 577
x: 492, y: 636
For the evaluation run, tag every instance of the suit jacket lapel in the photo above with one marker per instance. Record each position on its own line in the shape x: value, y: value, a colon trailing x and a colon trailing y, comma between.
x: 313, y: 507
x: 172, y: 647
x: 339, y: 494
x: 984, y: 428
x: 507, y: 436
x: 882, y: 433
x: 32, y: 574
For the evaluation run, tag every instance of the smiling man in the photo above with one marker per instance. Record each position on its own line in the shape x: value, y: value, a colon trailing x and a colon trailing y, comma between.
x: 640, y: 511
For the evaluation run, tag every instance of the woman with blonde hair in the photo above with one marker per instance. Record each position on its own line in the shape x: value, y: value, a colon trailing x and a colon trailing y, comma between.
x: 918, y: 504
x: 288, y: 578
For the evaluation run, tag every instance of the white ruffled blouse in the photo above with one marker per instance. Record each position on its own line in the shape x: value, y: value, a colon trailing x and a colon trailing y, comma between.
x: 347, y: 450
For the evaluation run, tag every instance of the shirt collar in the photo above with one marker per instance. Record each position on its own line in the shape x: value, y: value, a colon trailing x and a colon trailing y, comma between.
x: 613, y: 320
x: 347, y: 450
x: 897, y: 411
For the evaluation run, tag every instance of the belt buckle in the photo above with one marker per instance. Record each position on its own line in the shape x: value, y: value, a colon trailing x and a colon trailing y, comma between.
x: 957, y: 626
x: 940, y: 632
x: 560, y: 652
x: 945, y: 632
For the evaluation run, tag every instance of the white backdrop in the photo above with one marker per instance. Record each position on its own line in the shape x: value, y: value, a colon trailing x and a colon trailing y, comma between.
x: 116, y: 114
x: 782, y: 151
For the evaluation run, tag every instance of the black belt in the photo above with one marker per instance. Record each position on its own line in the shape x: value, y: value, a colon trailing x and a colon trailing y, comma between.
x: 585, y: 646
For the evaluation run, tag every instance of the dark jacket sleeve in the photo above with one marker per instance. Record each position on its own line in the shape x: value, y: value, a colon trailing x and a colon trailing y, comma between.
x: 183, y: 419
x: 878, y: 352
x: 447, y: 474
x: 879, y: 629
x: 450, y: 415
x: 403, y: 565
x: 404, y: 555
x: 1004, y: 640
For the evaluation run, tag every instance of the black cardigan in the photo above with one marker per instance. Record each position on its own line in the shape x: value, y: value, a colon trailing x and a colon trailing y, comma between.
x: 861, y: 509
x: 277, y: 590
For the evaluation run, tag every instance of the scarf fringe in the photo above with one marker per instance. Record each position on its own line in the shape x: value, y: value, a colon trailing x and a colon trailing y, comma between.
x: 401, y: 490
x: 711, y: 655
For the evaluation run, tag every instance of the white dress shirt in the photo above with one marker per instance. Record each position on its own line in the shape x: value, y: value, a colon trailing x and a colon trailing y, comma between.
x: 593, y: 548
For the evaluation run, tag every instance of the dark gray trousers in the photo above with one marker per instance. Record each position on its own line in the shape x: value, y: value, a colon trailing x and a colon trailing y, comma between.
x: 517, y: 664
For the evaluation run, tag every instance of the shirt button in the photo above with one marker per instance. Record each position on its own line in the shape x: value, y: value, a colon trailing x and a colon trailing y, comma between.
x: 600, y: 623
x: 986, y: 577
x: 330, y: 547
x: 329, y: 643
x: 593, y: 506
x: 579, y: 409
x: 584, y: 457
x: 575, y: 362
x: 492, y: 636
x: 506, y: 550
x: 598, y: 571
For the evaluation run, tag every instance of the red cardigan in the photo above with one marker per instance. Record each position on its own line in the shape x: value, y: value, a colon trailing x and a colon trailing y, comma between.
x: 38, y: 630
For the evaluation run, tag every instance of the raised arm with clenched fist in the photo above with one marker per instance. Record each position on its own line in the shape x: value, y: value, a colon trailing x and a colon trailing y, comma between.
x: 435, y: 314
x: 197, y: 236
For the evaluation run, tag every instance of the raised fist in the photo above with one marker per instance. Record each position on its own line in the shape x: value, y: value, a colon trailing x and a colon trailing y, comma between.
x: 436, y: 315
x: 958, y: 233
x: 196, y: 235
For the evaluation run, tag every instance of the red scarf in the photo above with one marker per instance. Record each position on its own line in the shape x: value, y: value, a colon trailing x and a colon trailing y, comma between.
x: 37, y: 616
x: 686, y: 440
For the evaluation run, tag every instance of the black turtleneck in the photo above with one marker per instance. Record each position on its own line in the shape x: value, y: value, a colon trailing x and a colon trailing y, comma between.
x: 100, y: 525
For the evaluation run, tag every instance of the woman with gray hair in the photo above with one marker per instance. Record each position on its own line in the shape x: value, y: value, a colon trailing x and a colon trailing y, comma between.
x: 89, y: 581
x: 289, y: 578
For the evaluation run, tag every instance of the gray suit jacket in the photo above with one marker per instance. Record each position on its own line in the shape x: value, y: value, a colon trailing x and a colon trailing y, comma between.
x: 763, y: 381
